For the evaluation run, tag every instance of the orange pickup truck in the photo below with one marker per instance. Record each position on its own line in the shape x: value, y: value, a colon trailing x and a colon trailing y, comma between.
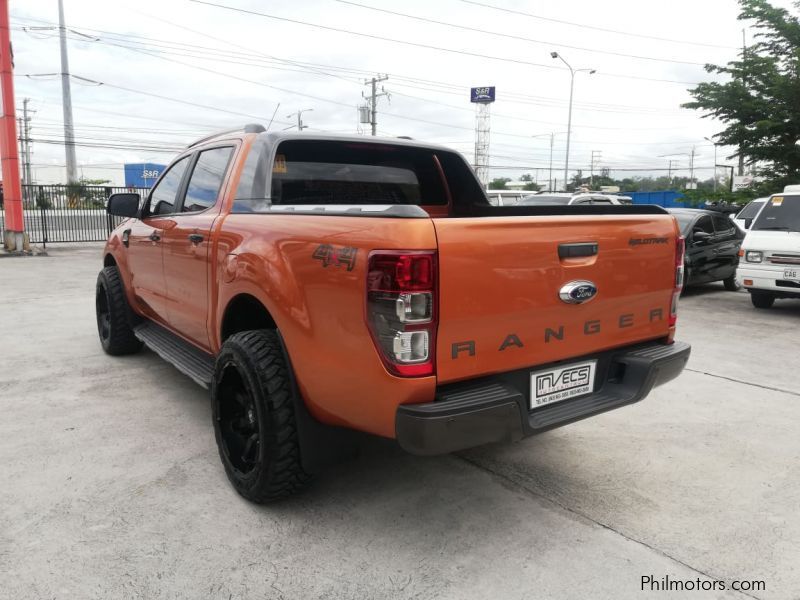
x: 319, y: 285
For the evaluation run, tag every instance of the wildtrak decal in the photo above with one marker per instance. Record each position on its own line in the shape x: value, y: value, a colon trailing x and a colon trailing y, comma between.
x: 647, y: 241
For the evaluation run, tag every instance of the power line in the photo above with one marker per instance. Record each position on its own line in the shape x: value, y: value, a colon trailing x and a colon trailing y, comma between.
x: 426, y: 46
x: 594, y: 27
x: 315, y: 68
x: 518, y: 37
x: 170, y: 99
x: 110, y: 146
x: 504, y: 116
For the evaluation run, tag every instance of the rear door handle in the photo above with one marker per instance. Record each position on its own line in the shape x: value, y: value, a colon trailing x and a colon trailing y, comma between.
x: 195, y: 238
x: 155, y: 237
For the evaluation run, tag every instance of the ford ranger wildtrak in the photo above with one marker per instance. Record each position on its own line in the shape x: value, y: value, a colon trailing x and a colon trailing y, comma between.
x: 323, y: 285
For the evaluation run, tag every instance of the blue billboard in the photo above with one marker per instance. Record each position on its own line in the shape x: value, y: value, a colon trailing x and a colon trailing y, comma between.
x: 481, y: 95
x: 142, y: 175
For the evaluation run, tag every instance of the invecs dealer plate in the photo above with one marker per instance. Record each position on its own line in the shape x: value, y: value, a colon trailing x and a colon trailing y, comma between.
x: 562, y: 383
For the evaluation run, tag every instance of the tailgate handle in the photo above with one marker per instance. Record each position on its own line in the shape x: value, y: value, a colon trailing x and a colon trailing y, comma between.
x: 577, y: 249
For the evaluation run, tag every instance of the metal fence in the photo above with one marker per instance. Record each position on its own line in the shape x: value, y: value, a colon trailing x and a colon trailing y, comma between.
x: 68, y: 213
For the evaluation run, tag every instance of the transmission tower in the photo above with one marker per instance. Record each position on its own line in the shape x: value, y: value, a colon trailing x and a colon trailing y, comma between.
x: 483, y: 98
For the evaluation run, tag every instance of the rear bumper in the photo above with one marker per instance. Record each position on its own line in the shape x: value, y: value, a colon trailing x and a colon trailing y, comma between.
x: 497, y: 408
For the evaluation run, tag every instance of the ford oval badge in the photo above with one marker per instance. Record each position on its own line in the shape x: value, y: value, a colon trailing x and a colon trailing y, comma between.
x: 577, y: 292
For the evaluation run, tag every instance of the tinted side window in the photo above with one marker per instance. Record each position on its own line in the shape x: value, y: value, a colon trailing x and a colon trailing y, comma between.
x: 206, y: 181
x: 750, y: 211
x: 704, y: 224
x: 723, y: 225
x: 162, y: 197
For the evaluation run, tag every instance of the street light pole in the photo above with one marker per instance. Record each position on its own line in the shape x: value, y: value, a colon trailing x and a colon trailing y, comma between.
x: 299, y: 115
x: 569, y: 117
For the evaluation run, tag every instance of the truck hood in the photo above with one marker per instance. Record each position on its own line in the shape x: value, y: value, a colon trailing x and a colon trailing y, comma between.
x: 775, y: 241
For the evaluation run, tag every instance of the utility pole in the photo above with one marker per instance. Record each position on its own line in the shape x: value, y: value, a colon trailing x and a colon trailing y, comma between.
x: 550, y: 170
x: 715, y: 161
x: 596, y: 156
x: 669, y: 170
x: 66, y: 99
x: 744, y: 81
x: 691, y: 171
x: 14, y: 234
x: 373, y: 100
x: 569, y: 117
x: 21, y: 138
x: 26, y: 127
x: 26, y: 139
x: 299, y: 114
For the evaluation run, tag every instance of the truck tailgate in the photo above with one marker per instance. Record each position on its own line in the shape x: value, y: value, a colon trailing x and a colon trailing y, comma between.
x: 499, y: 283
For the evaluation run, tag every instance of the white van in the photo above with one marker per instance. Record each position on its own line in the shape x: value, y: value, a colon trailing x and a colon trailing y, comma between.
x: 769, y: 266
x: 550, y: 199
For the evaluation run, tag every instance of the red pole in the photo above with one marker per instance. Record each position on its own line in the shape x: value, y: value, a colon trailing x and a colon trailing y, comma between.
x: 12, y: 190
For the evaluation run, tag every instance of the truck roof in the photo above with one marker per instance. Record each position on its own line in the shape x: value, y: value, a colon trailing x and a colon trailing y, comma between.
x: 275, y: 137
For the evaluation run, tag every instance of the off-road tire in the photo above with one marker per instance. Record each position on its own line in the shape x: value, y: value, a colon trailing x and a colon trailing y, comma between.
x: 731, y: 284
x: 113, y: 315
x: 762, y: 299
x: 254, y: 362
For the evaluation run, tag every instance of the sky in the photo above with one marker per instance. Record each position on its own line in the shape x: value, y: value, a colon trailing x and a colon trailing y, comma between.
x: 151, y: 76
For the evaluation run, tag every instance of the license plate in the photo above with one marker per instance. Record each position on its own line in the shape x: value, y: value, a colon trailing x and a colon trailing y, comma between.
x: 792, y: 274
x: 554, y: 385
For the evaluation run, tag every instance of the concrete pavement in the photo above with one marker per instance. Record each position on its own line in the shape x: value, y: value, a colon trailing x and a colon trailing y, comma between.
x: 111, y: 487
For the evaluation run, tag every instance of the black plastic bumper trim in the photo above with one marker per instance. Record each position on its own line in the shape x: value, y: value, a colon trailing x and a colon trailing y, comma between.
x: 496, y: 408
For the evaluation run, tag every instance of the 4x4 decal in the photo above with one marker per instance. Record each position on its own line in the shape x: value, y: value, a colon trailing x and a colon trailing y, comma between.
x: 338, y: 257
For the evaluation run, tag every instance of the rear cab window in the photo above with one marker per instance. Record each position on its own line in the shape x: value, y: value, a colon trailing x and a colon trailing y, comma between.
x: 340, y: 172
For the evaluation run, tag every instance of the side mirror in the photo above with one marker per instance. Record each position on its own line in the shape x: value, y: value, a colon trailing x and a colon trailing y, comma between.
x: 748, y: 223
x: 125, y: 204
x: 700, y: 236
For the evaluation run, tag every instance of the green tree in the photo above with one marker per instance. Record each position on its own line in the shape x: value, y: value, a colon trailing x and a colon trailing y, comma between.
x: 759, y: 103
x: 499, y: 183
x: 85, y: 193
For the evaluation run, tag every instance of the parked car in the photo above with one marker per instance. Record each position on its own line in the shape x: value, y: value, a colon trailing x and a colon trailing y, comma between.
x: 771, y: 251
x: 324, y: 284
x: 505, y: 197
x: 552, y: 199
x: 712, y: 246
x: 745, y: 217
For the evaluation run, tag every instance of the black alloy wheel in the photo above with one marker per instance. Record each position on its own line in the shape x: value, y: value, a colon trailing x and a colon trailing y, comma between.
x: 238, y: 422
x: 253, y: 408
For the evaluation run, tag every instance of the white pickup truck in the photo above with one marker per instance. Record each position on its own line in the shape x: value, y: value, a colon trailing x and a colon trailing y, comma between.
x: 770, y: 268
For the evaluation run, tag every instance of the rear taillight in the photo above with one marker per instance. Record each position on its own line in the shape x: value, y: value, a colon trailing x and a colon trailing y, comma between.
x: 401, y: 309
x: 680, y: 250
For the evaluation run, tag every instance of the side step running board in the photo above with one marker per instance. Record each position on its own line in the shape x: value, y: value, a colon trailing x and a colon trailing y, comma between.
x: 188, y: 359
